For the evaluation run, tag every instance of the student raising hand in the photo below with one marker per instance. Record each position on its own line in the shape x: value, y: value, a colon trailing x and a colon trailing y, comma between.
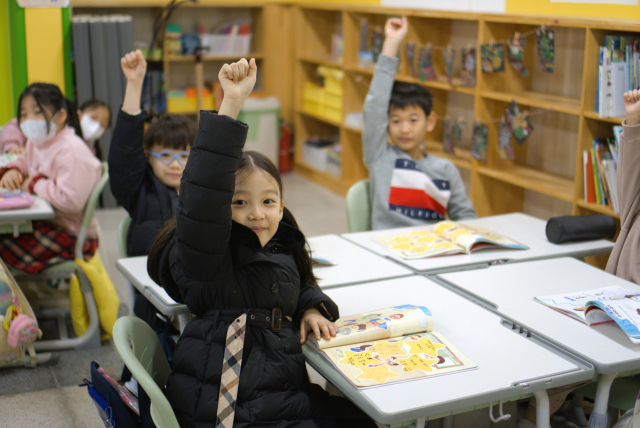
x: 395, y: 31
x: 134, y: 67
x: 237, y: 80
x: 632, y: 107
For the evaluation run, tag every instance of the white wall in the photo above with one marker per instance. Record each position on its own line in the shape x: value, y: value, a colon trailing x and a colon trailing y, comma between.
x: 491, y: 6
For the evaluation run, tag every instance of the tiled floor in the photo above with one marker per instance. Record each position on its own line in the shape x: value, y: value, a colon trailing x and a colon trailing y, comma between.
x: 48, y: 396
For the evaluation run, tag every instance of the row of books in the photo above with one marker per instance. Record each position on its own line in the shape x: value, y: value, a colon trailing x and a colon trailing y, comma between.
x: 600, y: 164
x: 154, y: 99
x: 618, y: 72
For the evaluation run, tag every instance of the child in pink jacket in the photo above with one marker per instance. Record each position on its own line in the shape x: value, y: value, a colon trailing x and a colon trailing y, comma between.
x: 58, y: 166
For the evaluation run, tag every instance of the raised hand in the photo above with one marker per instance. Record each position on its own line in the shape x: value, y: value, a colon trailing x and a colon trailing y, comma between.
x: 134, y: 66
x: 237, y: 80
x: 395, y: 30
x: 632, y: 107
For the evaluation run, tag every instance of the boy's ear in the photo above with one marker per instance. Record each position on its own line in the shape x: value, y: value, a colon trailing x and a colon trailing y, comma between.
x: 432, y: 119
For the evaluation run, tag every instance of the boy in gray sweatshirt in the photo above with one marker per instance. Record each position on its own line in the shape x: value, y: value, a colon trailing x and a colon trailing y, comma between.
x: 408, y: 186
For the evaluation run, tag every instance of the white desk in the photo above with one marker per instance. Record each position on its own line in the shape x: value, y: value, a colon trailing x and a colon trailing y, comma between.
x: 509, y: 291
x: 354, y: 264
x: 523, y: 228
x: 510, y: 365
x: 19, y: 220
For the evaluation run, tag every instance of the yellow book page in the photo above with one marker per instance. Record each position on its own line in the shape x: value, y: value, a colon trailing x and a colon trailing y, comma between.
x: 417, y: 244
x: 413, y: 356
x: 380, y: 324
x: 468, y: 236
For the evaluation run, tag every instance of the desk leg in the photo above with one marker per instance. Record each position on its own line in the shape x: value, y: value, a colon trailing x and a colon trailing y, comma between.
x: 599, y: 417
x: 447, y: 422
x: 543, y: 416
x: 183, y: 319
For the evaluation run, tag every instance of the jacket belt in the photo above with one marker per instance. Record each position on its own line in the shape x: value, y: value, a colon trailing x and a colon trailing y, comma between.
x: 264, y: 318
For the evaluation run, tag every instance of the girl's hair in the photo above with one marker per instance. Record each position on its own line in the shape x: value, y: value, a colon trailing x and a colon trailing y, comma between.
x: 50, y: 96
x: 250, y: 162
x: 93, y: 104
x: 170, y: 131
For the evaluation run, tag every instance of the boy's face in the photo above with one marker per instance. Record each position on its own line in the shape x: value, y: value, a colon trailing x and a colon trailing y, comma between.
x: 171, y: 174
x: 408, y: 126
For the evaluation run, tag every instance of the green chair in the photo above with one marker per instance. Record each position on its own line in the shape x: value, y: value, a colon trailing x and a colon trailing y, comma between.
x: 141, y: 352
x: 358, y: 203
x: 123, y: 228
x: 67, y: 270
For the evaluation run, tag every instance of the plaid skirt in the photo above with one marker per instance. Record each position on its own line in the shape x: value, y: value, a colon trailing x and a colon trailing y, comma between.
x: 49, y: 244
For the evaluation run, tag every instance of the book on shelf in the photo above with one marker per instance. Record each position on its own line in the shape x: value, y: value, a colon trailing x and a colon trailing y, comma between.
x: 390, y: 345
x: 618, y: 72
x: 443, y: 239
x: 600, y: 306
x: 589, y: 184
x: 600, y: 168
x: 602, y: 153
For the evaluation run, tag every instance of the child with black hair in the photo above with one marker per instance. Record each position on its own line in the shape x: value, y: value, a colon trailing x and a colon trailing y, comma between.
x: 408, y: 186
x: 58, y: 166
x: 236, y: 257
x: 94, y: 116
x: 145, y: 168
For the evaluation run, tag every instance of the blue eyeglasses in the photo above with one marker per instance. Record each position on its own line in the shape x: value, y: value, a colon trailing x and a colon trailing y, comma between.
x: 166, y: 157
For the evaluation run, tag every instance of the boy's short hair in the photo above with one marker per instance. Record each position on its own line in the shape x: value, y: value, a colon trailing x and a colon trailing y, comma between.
x: 410, y: 94
x: 171, y: 131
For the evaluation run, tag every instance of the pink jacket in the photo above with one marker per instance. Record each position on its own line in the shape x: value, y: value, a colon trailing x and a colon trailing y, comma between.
x: 11, y: 136
x: 625, y: 257
x: 71, y: 172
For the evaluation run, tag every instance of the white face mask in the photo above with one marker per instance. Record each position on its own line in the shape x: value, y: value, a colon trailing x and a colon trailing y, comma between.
x: 36, y: 130
x: 91, y: 128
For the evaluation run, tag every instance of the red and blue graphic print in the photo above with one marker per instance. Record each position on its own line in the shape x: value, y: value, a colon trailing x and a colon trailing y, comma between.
x: 415, y: 195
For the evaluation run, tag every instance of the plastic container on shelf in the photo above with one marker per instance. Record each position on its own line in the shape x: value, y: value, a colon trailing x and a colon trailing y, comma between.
x: 224, y: 44
x: 334, y: 160
x: 185, y: 100
x: 173, y: 40
x: 332, y: 79
x: 263, y: 117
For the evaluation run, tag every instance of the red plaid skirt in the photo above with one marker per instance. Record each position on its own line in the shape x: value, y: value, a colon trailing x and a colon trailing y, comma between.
x: 48, y: 245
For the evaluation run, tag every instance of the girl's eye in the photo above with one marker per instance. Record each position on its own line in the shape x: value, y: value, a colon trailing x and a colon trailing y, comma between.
x: 239, y: 202
x: 269, y: 201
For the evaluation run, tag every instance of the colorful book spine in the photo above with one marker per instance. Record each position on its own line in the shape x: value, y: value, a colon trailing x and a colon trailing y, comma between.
x: 596, y: 180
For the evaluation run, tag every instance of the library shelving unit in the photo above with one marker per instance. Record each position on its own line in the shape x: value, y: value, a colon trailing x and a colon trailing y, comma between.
x: 270, y: 41
x: 546, y: 177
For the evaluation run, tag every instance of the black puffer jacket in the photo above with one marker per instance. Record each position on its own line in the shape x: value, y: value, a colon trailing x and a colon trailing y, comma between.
x: 215, y: 264
x: 135, y: 186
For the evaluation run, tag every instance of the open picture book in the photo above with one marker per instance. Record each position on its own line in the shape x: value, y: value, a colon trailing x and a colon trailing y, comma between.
x: 390, y: 345
x: 599, y: 306
x: 443, y: 239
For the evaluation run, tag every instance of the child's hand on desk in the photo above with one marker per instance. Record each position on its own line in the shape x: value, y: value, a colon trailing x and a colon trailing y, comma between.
x: 134, y: 67
x: 25, y: 184
x: 237, y: 80
x: 16, y: 150
x: 632, y: 107
x: 312, y: 320
x: 12, y: 179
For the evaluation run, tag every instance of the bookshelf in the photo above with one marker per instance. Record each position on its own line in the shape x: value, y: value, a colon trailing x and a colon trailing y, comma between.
x: 270, y: 41
x: 546, y: 178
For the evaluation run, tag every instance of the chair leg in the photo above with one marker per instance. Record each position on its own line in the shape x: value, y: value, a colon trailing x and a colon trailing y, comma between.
x: 91, y: 337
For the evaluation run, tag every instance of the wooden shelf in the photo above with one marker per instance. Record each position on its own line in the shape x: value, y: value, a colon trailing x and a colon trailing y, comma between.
x: 160, y: 3
x: 538, y: 100
x: 352, y: 129
x: 602, y: 209
x: 320, y: 118
x: 544, y: 182
x: 184, y: 112
x: 322, y: 177
x: 320, y: 61
x: 191, y: 58
x: 594, y: 115
x: 461, y: 157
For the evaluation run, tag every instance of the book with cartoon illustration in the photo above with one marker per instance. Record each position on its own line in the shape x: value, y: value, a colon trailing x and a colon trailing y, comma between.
x: 390, y: 345
x: 599, y: 306
x: 443, y: 239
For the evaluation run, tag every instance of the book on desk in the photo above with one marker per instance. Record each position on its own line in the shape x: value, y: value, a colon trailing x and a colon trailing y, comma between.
x: 599, y: 306
x: 390, y: 345
x: 443, y: 239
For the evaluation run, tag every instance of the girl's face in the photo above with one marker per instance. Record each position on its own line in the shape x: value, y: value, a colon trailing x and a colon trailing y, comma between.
x: 257, y: 204
x: 29, y: 110
x: 100, y: 114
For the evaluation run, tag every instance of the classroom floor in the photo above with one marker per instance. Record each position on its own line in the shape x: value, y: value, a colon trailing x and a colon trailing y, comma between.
x: 48, y: 396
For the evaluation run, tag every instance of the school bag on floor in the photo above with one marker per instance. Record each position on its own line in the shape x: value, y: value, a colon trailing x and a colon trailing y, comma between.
x: 18, y: 327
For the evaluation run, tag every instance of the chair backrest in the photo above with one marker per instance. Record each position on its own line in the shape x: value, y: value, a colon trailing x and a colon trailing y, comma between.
x: 90, y: 211
x: 358, y: 203
x: 141, y: 352
x: 123, y: 228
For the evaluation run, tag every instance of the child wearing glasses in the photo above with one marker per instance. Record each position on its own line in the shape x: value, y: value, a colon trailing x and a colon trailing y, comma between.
x: 145, y: 168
